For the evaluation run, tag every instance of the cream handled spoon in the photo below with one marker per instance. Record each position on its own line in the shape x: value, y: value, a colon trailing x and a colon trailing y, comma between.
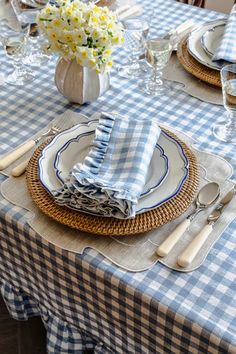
x: 190, y: 252
x: 205, y: 198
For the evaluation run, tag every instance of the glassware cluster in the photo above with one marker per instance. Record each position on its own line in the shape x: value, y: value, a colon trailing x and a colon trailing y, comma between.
x: 14, y: 42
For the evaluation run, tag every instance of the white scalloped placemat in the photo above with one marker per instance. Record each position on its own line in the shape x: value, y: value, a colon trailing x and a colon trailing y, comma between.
x: 123, y: 251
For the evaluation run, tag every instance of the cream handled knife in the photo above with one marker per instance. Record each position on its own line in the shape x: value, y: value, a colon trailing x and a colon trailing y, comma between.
x: 190, y: 252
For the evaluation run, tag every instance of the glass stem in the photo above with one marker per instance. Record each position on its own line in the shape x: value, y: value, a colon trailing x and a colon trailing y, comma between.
x: 157, y: 74
x: 231, y: 124
x: 133, y: 60
x: 18, y: 67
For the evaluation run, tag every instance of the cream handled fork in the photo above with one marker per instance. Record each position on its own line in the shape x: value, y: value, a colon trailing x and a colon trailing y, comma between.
x: 65, y: 122
x: 20, y: 169
x: 22, y: 149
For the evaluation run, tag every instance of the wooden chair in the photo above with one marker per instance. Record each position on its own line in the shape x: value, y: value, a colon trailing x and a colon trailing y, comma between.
x: 199, y: 3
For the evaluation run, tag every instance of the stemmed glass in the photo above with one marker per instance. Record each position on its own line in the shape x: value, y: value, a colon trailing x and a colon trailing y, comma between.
x: 135, y: 34
x: 158, y: 52
x: 35, y: 55
x: 226, y: 130
x: 14, y: 43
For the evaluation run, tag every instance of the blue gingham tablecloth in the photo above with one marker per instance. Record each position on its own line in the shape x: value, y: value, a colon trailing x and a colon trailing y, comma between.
x: 85, y: 301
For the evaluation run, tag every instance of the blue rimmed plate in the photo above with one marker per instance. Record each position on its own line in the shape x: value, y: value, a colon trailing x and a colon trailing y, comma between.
x: 195, y: 46
x: 67, y: 156
x: 50, y: 178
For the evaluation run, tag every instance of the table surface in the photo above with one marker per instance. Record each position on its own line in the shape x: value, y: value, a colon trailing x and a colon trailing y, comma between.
x: 155, y: 311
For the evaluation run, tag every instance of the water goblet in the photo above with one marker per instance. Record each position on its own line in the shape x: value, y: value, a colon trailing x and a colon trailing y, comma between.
x: 135, y: 34
x: 35, y: 55
x: 158, y: 52
x: 14, y: 44
x: 226, y: 130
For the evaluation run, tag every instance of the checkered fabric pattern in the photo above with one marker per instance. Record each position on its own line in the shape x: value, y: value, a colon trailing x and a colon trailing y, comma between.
x: 116, y: 311
x: 113, y: 174
x: 227, y: 48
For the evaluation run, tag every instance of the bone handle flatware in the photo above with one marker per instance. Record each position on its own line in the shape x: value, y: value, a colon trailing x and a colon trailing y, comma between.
x: 190, y: 252
x: 206, y: 197
x: 16, y: 154
x: 173, y: 238
x: 20, y: 169
x: 22, y: 149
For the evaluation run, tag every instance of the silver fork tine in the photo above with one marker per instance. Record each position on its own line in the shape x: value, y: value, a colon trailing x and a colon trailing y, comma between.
x: 69, y: 120
x: 65, y: 122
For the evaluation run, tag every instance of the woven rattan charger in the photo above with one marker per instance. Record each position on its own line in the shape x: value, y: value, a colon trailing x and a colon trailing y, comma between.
x: 111, y: 226
x: 195, y: 68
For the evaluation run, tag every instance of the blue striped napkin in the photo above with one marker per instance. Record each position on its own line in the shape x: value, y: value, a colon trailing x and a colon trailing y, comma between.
x: 227, y: 48
x: 112, y: 176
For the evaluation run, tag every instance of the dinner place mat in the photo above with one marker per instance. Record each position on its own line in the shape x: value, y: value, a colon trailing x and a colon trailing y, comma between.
x: 129, y: 252
x: 175, y: 72
x: 112, y: 226
x: 197, y: 69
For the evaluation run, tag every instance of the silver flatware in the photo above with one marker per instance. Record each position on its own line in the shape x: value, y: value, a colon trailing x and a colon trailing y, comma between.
x: 22, y: 149
x: 67, y: 122
x: 188, y: 255
x: 207, y: 196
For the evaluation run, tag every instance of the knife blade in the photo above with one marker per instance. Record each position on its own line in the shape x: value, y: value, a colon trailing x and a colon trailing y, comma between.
x: 189, y: 253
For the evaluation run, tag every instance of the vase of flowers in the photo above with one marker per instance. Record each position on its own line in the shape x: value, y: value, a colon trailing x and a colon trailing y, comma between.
x: 84, y: 36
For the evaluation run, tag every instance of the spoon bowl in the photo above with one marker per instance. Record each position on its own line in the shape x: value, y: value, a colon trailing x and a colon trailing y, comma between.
x: 208, y: 194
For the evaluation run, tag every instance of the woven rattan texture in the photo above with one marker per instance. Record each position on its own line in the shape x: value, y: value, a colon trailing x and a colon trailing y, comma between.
x: 110, y: 226
x: 195, y: 68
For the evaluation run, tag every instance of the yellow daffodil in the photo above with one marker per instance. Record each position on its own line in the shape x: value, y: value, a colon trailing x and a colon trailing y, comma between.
x: 81, y: 31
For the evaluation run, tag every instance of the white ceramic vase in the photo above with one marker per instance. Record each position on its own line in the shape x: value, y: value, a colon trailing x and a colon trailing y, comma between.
x: 79, y: 84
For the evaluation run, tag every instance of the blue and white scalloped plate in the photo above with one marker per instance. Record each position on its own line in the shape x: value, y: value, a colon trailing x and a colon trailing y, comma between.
x: 166, y: 176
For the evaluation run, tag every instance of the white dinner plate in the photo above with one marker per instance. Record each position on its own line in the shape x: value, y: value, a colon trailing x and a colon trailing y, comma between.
x: 211, y: 39
x: 169, y: 188
x: 67, y: 156
x: 195, y: 47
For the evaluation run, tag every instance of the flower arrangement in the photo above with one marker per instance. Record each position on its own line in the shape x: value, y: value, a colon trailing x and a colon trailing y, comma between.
x: 80, y: 31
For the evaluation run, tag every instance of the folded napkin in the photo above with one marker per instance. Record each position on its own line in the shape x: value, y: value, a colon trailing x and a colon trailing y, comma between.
x: 112, y: 176
x: 227, y: 48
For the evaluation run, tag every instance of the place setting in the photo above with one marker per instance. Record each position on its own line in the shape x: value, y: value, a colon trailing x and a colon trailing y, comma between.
x: 115, y: 182
x: 208, y: 48
x: 117, y: 213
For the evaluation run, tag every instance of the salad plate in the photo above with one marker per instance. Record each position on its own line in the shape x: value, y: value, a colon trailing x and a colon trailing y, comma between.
x: 51, y: 178
x: 195, y: 47
x: 67, y: 156
x: 211, y: 39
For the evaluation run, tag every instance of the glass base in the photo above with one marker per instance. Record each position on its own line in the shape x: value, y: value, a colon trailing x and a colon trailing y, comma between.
x: 152, y: 88
x: 36, y: 59
x: 20, y: 78
x: 222, y: 132
x: 130, y: 71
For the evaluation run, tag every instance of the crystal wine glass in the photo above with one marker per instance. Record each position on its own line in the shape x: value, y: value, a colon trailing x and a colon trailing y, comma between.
x: 226, y: 130
x: 14, y: 43
x: 35, y: 55
x: 135, y: 34
x: 158, y: 52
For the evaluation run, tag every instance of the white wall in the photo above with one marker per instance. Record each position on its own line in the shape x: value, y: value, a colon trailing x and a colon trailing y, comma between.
x: 220, y: 5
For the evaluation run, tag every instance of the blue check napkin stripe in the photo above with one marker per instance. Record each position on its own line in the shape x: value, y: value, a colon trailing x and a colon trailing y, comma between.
x: 90, y: 303
x: 111, y: 178
x: 227, y: 48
